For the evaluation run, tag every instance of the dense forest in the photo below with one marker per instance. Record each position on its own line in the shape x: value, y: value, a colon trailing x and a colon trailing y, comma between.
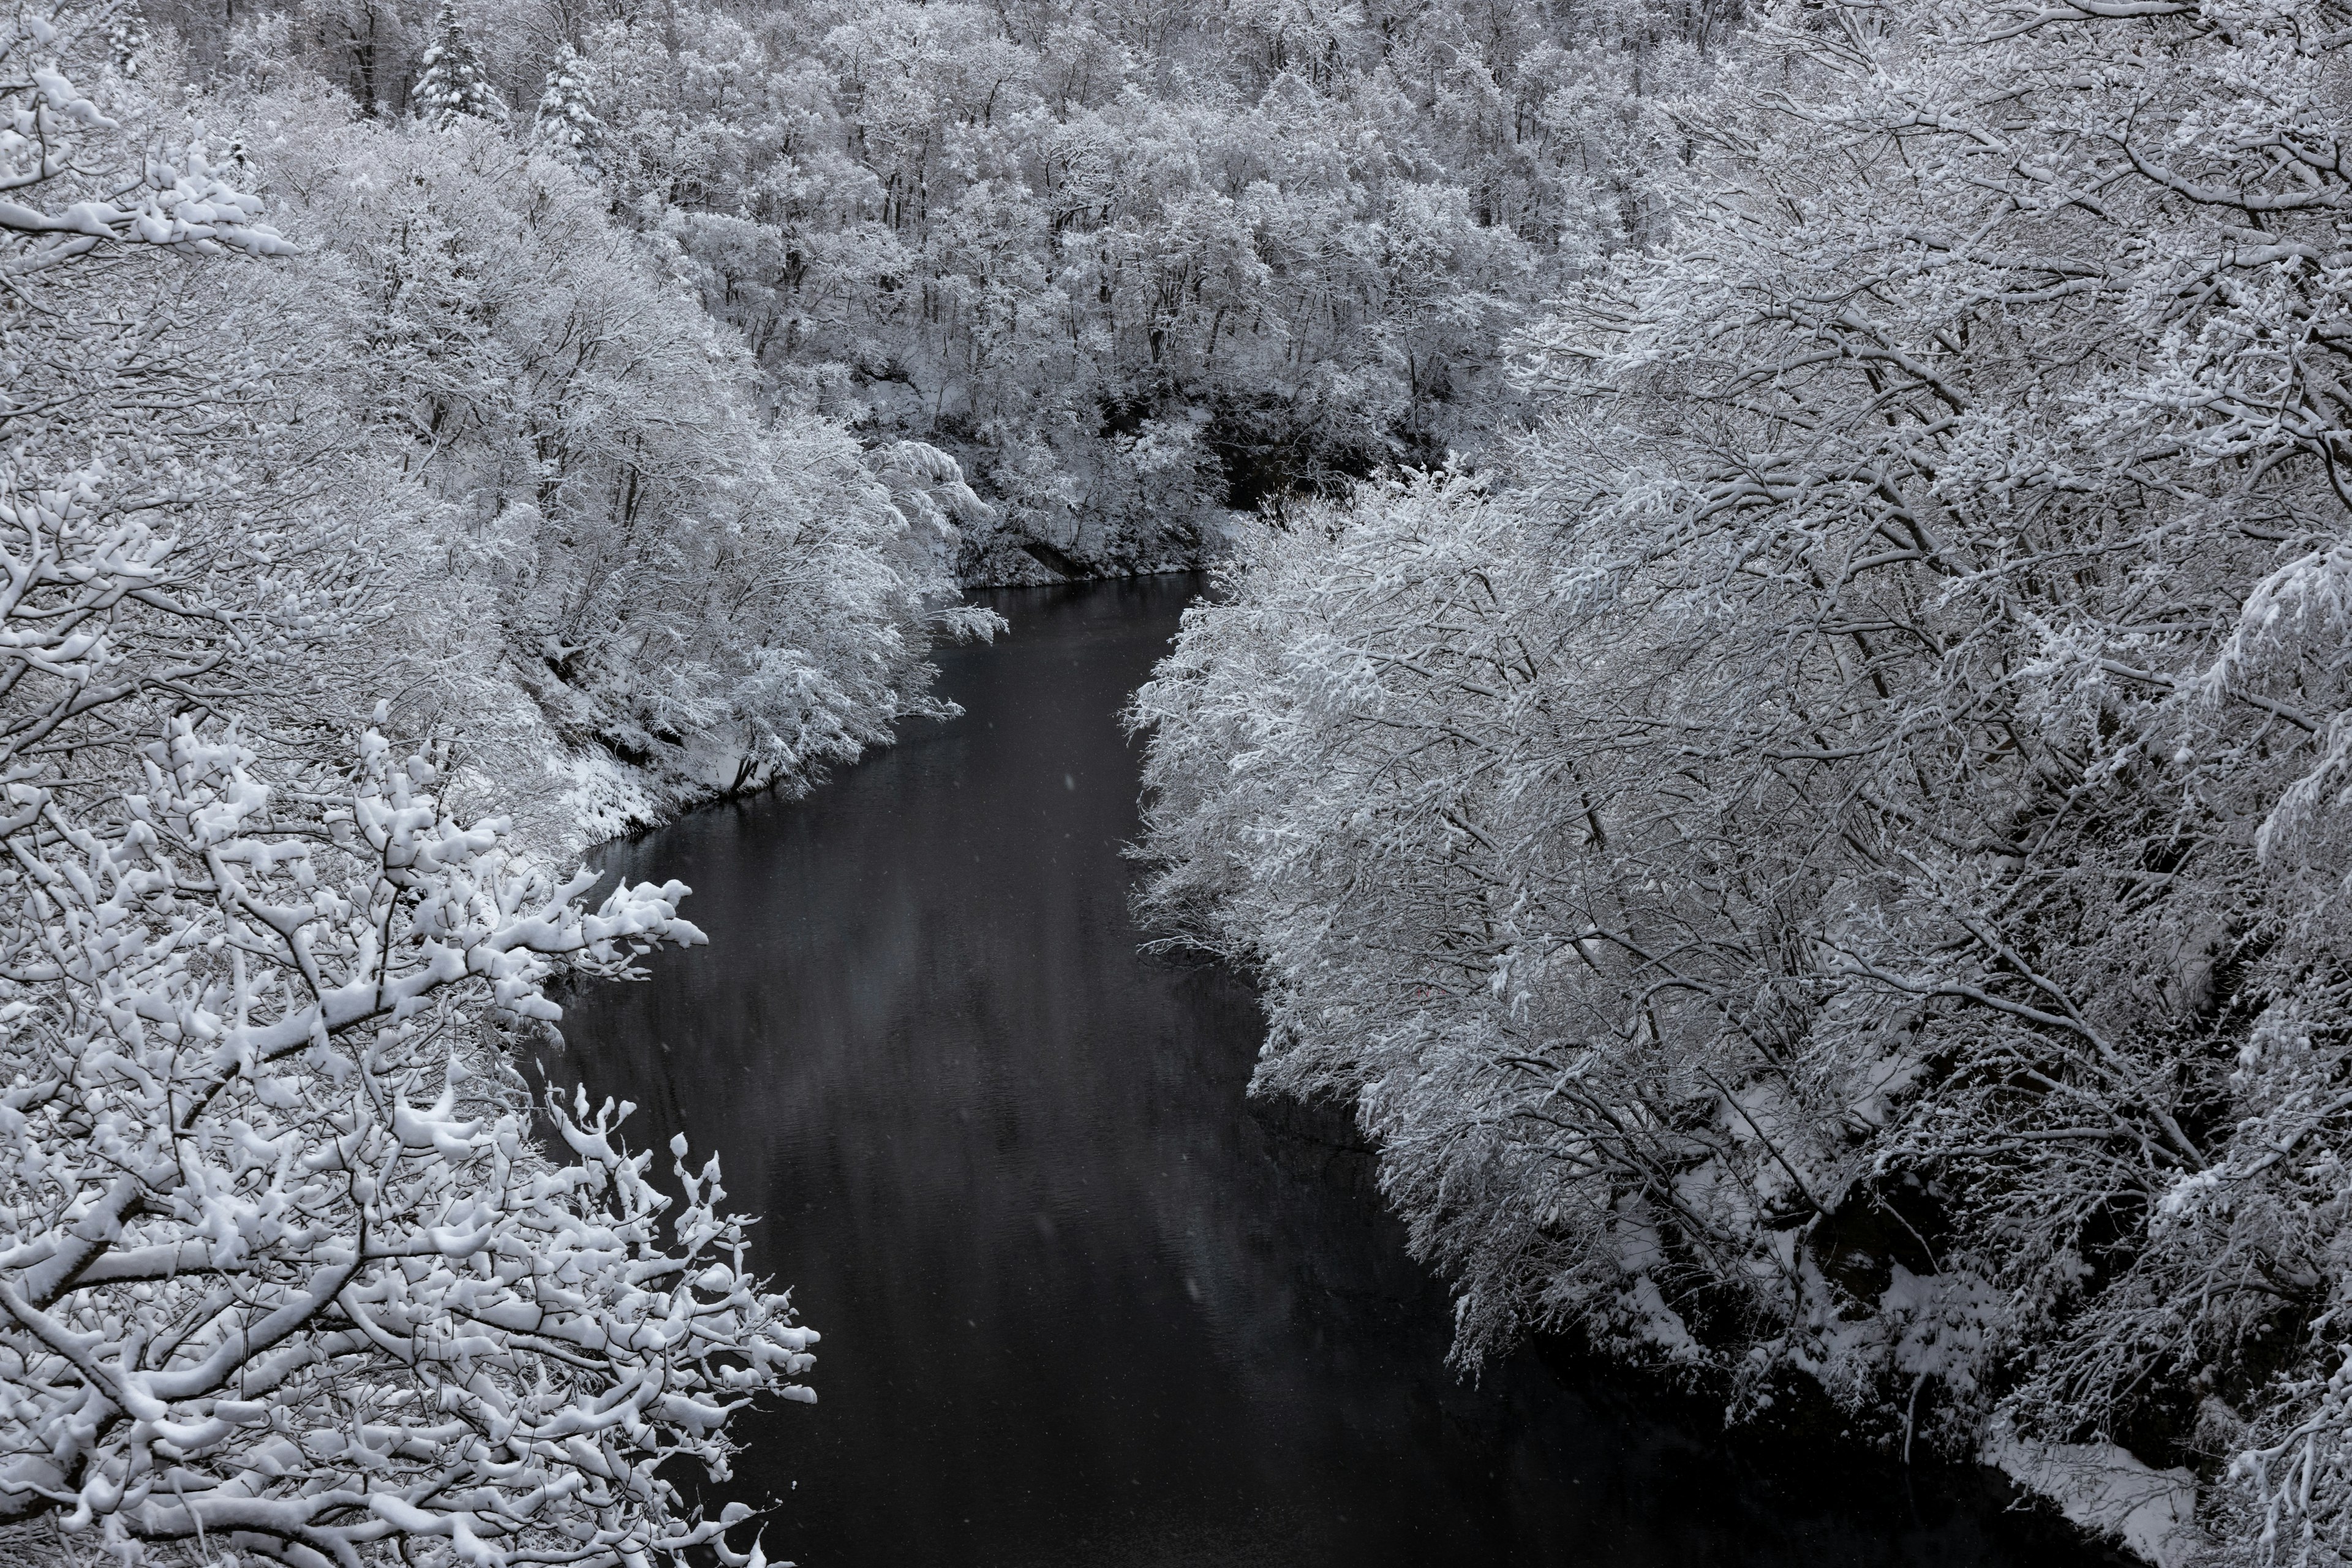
x: 1774, y: 723
x: 1133, y: 271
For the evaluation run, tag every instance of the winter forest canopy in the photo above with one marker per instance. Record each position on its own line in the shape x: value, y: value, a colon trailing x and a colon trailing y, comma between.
x: 1775, y: 724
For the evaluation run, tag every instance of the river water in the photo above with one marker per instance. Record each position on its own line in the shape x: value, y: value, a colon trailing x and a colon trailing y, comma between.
x: 1082, y: 1302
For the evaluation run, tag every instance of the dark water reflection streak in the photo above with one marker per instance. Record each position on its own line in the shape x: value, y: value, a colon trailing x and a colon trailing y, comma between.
x: 1081, y: 1305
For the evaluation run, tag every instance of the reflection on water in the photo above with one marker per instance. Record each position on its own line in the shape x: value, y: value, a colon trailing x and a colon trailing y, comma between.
x: 1080, y: 1305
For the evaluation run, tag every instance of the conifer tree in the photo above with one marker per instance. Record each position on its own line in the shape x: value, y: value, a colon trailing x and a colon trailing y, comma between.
x: 126, y: 40
x: 565, y: 122
x: 454, y: 82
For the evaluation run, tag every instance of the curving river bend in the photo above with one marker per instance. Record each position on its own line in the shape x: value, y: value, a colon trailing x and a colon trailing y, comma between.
x: 1084, y: 1304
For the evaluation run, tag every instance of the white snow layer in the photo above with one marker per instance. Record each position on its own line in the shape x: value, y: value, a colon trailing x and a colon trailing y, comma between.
x: 2108, y: 1492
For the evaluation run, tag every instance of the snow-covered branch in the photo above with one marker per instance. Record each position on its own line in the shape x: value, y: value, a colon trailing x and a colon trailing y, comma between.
x: 68, y: 182
x: 283, y: 1268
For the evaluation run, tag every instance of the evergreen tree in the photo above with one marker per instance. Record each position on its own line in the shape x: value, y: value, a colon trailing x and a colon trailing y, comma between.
x: 565, y: 122
x: 126, y: 40
x: 454, y: 82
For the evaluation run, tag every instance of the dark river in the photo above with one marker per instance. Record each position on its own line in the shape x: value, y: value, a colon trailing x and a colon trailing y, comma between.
x: 1082, y: 1302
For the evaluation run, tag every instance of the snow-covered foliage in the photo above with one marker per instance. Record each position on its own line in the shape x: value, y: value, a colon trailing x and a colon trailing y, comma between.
x: 1817, y: 846
x: 1834, y: 875
x: 1136, y: 266
x: 70, y: 182
x: 285, y: 1271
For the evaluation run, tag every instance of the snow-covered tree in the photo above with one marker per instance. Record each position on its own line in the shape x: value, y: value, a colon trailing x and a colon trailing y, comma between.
x: 1835, y: 871
x: 127, y: 39
x: 284, y: 1273
x: 670, y: 591
x: 453, y: 84
x: 565, y: 122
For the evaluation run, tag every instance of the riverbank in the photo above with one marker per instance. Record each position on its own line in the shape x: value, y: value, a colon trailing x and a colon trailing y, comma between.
x: 1782, y: 1450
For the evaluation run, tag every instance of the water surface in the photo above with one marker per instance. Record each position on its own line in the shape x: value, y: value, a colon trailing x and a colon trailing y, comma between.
x: 1081, y: 1304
